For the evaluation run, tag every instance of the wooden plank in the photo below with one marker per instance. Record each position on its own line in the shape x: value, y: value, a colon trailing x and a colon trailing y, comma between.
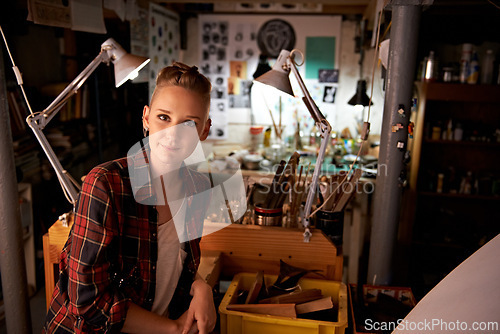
x: 254, y: 291
x: 250, y: 248
x: 347, y: 195
x: 49, y: 271
x: 296, y: 297
x: 315, y: 305
x: 59, y: 234
x: 210, y: 267
x: 280, y: 310
x: 440, y: 91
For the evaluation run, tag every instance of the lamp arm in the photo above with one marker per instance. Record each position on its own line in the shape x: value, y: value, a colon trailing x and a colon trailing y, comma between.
x: 39, y: 120
x: 324, y: 129
x: 313, y: 109
x: 69, y: 187
x: 70, y: 90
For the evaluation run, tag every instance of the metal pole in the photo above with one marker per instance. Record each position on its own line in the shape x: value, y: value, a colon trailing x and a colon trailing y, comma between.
x: 387, y: 200
x: 12, y: 263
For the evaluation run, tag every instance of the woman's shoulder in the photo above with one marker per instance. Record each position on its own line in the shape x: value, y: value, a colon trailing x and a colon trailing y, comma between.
x: 109, y: 169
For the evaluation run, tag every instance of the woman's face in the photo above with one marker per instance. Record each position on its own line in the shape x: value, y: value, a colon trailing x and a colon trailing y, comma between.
x: 177, y: 120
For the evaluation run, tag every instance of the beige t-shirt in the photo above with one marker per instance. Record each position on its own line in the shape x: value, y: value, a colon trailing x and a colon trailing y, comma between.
x: 170, y: 260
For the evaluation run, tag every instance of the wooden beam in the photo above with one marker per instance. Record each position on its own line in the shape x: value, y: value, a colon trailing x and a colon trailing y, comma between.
x: 329, y: 7
x: 325, y: 2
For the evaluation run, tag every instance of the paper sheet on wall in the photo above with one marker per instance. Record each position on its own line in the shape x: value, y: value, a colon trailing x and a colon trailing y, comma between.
x: 229, y: 55
x: 55, y: 13
x: 163, y: 40
x: 320, y: 54
x: 214, y: 40
x: 139, y: 33
x: 118, y: 6
x: 87, y: 15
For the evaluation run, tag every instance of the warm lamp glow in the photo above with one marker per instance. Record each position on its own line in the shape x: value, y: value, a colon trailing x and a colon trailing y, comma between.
x: 127, y: 66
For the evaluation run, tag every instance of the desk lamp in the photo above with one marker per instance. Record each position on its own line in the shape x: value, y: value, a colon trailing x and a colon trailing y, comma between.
x: 127, y: 67
x: 278, y: 77
x: 360, y: 98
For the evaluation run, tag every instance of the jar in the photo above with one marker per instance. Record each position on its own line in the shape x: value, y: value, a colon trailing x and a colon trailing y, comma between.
x: 447, y: 74
x: 332, y: 224
x: 268, y: 217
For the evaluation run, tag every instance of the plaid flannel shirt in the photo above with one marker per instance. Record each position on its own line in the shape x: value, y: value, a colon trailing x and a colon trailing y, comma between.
x: 110, y: 257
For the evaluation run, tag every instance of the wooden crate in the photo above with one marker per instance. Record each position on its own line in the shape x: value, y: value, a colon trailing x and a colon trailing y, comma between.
x: 250, y: 248
x: 53, y: 243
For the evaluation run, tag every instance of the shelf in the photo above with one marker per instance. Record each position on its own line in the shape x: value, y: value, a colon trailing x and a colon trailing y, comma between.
x: 440, y: 91
x: 462, y: 142
x: 459, y: 196
x: 434, y: 244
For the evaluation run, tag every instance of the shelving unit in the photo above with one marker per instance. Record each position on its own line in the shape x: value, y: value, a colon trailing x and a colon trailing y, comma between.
x: 446, y: 221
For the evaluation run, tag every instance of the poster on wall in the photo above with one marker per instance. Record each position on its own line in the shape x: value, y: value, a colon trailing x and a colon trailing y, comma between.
x: 164, y: 40
x: 139, y: 37
x: 227, y: 51
x: 230, y: 46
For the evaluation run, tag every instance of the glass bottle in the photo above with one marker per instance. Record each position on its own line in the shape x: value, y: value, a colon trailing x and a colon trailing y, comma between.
x: 430, y: 67
x: 487, y: 68
x: 473, y: 76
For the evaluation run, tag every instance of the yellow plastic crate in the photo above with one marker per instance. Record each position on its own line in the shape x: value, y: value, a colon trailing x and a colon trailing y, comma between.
x: 234, y: 322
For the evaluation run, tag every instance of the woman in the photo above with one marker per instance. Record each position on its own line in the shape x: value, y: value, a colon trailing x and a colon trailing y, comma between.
x: 123, y: 267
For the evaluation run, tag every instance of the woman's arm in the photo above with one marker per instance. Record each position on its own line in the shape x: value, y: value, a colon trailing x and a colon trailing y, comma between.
x: 139, y: 320
x: 201, y: 311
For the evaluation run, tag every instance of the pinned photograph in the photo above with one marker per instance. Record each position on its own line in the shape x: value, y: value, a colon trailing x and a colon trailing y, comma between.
x: 329, y: 94
x: 238, y: 69
x: 328, y: 75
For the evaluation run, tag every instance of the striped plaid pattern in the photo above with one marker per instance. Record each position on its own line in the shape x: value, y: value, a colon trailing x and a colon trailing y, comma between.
x: 110, y: 257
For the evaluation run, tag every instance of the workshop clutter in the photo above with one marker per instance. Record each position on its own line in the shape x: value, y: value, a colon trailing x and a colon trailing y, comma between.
x: 305, y: 305
x: 281, y: 202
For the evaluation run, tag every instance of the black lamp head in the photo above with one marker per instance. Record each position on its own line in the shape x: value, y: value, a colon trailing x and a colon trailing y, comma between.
x: 360, y: 98
x: 262, y: 66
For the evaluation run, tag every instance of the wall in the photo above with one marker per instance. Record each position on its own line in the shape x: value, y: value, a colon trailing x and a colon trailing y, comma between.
x: 344, y: 115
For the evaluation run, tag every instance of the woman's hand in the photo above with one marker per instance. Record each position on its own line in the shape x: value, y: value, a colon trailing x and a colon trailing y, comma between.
x: 181, y: 323
x: 201, y: 309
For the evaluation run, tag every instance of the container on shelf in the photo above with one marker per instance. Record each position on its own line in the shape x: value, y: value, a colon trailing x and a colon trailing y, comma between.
x: 487, y: 68
x: 465, y: 62
x: 431, y: 67
x: 473, y: 75
x: 268, y: 217
x: 332, y: 224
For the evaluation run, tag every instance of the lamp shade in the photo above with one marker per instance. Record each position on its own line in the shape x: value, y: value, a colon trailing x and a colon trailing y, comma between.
x: 360, y: 98
x: 278, y: 76
x: 127, y: 66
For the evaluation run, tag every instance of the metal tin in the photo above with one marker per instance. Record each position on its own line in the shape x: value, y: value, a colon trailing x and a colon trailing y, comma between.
x: 268, y: 217
x: 332, y: 224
